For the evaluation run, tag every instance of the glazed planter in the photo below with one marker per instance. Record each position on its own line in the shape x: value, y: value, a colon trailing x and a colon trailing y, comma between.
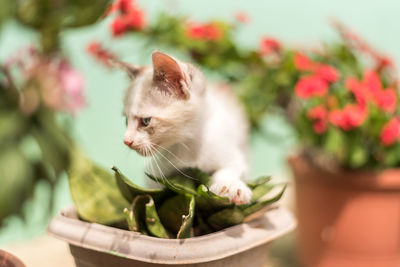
x: 347, y: 218
x: 9, y: 260
x: 98, y: 245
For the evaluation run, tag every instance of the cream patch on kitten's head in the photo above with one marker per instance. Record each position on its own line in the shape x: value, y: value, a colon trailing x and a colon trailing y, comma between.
x: 162, y: 104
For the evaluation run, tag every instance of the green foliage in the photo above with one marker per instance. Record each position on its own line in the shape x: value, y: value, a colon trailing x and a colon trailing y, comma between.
x: 94, y: 191
x: 183, y: 208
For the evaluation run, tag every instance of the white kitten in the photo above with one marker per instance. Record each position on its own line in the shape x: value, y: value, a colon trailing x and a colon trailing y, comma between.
x: 179, y: 120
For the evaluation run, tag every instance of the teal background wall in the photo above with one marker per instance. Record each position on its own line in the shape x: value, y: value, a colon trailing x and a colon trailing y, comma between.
x: 100, y: 127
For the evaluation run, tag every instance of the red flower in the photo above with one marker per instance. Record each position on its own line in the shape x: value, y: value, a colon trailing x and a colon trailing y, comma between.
x: 358, y: 90
x: 372, y: 82
x: 326, y: 72
x: 269, y: 45
x: 242, y: 17
x: 387, y: 100
x: 302, y: 62
x: 130, y: 17
x: 319, y: 115
x: 390, y: 132
x: 100, y: 53
x: 310, y: 86
x: 349, y: 118
x: 209, y: 31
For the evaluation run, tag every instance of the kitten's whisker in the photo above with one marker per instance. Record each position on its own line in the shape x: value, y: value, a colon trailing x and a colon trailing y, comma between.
x: 162, y: 174
x: 169, y: 152
x: 176, y: 168
x: 151, y: 167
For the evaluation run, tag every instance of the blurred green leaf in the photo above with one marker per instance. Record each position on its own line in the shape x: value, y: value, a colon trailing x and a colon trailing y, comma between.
x: 17, y: 181
x: 94, y: 191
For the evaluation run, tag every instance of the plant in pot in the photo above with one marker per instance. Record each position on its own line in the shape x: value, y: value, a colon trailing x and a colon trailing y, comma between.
x: 345, y: 112
x: 116, y: 222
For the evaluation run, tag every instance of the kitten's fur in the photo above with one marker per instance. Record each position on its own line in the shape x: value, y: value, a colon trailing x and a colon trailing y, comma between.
x: 192, y: 124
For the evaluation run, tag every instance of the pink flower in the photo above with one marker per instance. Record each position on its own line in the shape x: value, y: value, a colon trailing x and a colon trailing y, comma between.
x: 302, y: 62
x: 350, y: 117
x: 242, y: 17
x: 209, y: 31
x: 269, y: 45
x: 319, y: 115
x: 310, y: 86
x: 326, y: 72
x: 390, y: 132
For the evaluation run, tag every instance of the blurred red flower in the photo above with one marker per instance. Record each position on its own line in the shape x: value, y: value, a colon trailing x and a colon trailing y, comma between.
x: 319, y: 115
x: 310, y: 86
x: 242, y: 17
x: 208, y: 31
x: 130, y: 17
x: 269, y: 45
x: 390, y: 132
x: 302, y: 62
x: 327, y: 72
x: 387, y: 100
x: 100, y: 53
x: 350, y: 117
x: 370, y: 89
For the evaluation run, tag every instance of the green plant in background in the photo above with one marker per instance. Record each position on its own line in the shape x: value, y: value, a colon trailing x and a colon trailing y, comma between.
x: 183, y: 208
x: 342, y: 100
x: 38, y: 86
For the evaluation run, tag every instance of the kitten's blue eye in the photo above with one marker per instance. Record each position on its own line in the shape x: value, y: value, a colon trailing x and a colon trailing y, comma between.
x: 145, y: 121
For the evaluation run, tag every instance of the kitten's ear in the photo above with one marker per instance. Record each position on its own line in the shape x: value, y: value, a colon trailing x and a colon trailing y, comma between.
x: 168, y: 75
x: 130, y: 69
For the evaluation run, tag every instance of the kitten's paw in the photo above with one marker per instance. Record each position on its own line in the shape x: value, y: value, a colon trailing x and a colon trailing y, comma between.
x: 237, y: 191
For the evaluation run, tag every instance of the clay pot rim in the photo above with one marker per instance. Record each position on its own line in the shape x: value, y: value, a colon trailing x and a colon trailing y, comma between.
x: 132, y: 245
x: 6, y: 257
x: 377, y: 180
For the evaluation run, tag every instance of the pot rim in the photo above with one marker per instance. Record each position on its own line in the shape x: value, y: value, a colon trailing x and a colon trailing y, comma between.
x: 377, y: 180
x: 132, y: 245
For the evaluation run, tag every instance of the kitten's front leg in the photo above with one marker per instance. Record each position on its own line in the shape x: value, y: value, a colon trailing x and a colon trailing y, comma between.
x: 227, y: 183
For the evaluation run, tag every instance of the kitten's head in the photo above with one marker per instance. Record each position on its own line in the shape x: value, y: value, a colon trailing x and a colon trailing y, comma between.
x: 163, y: 104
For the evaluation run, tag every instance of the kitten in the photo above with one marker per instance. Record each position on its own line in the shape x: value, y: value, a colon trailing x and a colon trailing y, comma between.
x: 179, y: 120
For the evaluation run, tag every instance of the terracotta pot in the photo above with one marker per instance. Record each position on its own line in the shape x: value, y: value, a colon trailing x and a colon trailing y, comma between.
x: 241, y: 245
x: 9, y: 260
x: 347, y: 218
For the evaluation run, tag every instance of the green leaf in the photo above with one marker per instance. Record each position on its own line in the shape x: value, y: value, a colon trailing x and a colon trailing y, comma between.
x: 208, y: 201
x: 94, y: 191
x: 259, y: 181
x: 130, y: 190
x: 260, y: 191
x: 16, y: 181
x: 226, y: 218
x: 136, y: 214
x: 186, y: 229
x: 176, y: 212
x: 153, y: 223
x: 260, y: 206
x: 177, y: 183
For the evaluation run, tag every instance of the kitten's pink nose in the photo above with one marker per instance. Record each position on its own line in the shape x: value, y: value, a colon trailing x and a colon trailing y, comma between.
x: 128, y: 143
